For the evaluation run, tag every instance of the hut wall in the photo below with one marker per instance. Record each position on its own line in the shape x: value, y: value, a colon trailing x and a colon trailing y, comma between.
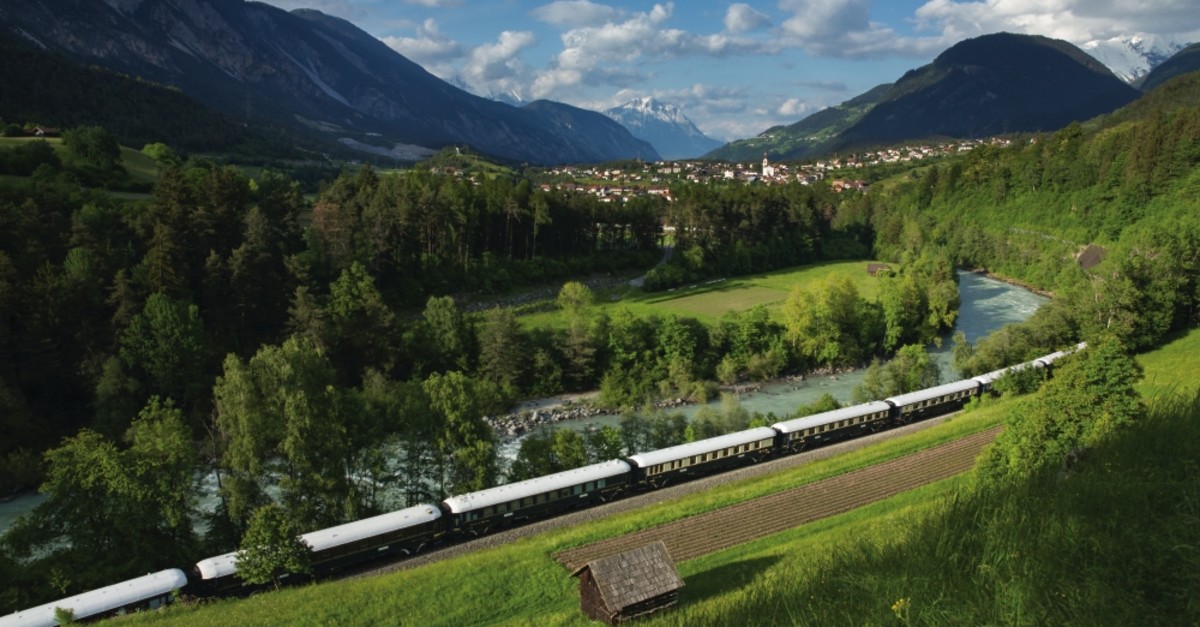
x: 590, y: 599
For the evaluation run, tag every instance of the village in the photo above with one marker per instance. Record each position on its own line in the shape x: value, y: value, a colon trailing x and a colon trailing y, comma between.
x: 619, y: 184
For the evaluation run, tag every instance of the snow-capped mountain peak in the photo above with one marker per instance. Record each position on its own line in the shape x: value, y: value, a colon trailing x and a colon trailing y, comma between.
x: 662, y: 124
x: 650, y: 109
x: 1132, y: 56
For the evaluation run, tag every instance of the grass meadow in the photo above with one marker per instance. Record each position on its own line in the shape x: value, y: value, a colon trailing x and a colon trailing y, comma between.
x: 522, y: 584
x: 1112, y: 543
x: 711, y: 300
x: 142, y: 169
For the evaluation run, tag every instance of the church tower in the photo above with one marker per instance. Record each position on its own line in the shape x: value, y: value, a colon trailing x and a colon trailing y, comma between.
x: 768, y: 170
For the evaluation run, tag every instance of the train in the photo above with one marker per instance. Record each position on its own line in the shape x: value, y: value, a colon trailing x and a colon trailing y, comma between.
x: 413, y: 529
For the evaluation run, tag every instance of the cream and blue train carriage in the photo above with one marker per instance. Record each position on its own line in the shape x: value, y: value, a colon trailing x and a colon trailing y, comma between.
x: 403, y: 531
x: 988, y: 379
x: 656, y: 468
x: 933, y: 401
x: 1057, y: 355
x: 504, y: 505
x: 847, y: 422
x: 146, y: 592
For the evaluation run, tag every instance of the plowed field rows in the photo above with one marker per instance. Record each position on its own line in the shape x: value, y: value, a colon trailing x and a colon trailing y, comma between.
x: 706, y: 533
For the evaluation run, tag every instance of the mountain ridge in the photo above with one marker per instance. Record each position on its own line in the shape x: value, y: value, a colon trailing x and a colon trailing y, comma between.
x: 981, y: 87
x: 256, y: 61
x: 664, y: 126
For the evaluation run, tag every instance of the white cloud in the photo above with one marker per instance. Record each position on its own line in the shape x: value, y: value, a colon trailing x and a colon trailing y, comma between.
x: 844, y: 29
x: 616, y: 53
x: 794, y: 108
x: 1077, y: 21
x: 497, y: 67
x: 743, y: 18
x: 430, y: 48
x: 575, y: 13
x: 435, y: 4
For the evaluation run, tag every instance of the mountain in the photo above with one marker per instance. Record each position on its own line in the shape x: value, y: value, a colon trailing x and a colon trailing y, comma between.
x: 254, y: 61
x: 808, y: 137
x: 1132, y: 57
x: 1185, y: 61
x: 602, y: 136
x: 44, y: 88
x: 991, y: 85
x: 664, y: 126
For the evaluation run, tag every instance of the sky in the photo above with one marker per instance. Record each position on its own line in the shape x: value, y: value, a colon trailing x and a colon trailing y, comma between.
x: 734, y: 68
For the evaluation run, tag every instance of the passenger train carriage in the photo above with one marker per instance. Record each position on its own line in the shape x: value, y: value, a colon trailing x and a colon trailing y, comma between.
x: 146, y: 592
x: 848, y: 422
x: 413, y: 529
x: 936, y: 400
x: 502, y: 506
x: 403, y: 531
x: 657, y: 468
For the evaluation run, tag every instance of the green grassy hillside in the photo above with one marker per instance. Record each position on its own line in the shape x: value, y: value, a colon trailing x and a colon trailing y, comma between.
x: 709, y: 301
x: 1112, y: 543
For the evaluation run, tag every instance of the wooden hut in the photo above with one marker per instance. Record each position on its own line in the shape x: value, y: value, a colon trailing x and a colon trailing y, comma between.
x: 626, y: 585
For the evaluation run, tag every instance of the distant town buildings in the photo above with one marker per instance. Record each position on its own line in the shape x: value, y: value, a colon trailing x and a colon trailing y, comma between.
x: 621, y: 184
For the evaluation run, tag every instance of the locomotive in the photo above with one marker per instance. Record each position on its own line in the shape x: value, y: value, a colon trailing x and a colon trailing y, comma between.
x: 413, y: 529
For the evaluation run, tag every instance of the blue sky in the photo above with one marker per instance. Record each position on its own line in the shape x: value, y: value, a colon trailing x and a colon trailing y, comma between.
x: 735, y: 68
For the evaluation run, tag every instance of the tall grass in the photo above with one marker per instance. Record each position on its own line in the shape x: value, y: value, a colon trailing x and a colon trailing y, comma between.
x: 1114, y: 540
x: 707, y: 302
x: 522, y: 583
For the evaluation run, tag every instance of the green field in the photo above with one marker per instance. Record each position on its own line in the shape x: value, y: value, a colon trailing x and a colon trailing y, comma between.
x: 1172, y: 369
x: 142, y: 169
x: 767, y: 581
x: 709, y: 301
x: 521, y: 583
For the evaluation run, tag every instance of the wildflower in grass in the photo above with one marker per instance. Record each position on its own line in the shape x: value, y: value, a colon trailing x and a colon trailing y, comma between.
x: 900, y: 609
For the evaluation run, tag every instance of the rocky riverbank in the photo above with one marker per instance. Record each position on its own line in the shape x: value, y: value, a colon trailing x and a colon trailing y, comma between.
x: 550, y: 411
x: 535, y: 413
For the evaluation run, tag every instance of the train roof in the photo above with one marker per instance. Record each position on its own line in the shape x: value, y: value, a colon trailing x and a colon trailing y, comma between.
x: 807, y: 422
x: 700, y: 447
x: 100, y: 600
x: 532, y: 487
x: 988, y: 378
x: 933, y: 392
x: 325, y: 539
x: 217, y: 566
x: 1052, y: 357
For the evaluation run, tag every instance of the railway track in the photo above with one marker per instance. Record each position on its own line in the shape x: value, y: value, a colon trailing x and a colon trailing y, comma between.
x: 833, y: 490
x: 736, y: 524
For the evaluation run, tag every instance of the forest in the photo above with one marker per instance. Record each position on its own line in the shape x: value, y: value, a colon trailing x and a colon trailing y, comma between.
x: 309, y: 351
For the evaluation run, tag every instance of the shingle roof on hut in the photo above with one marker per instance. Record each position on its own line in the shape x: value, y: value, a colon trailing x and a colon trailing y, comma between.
x: 629, y: 579
x: 875, y: 268
x: 1091, y: 256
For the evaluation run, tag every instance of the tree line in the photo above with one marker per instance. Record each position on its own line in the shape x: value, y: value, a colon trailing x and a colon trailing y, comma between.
x: 156, y: 332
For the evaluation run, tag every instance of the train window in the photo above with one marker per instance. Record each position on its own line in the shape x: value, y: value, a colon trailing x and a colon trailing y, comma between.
x: 601, y: 483
x: 526, y: 502
x: 577, y: 490
x: 487, y: 511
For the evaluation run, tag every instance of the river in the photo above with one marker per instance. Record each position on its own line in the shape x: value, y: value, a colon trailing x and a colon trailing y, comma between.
x: 987, y: 305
